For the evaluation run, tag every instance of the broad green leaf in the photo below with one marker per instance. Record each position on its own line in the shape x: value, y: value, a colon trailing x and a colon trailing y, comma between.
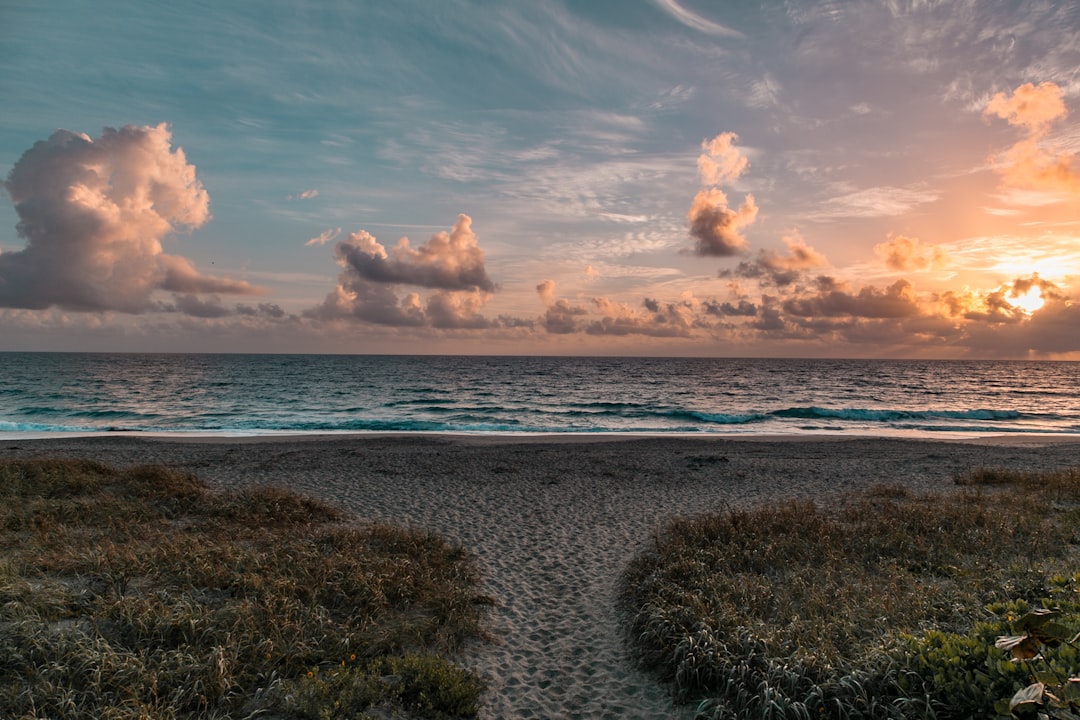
x: 1027, y: 701
x: 1047, y: 677
x: 1035, y: 619
x: 1052, y: 632
x: 1070, y: 691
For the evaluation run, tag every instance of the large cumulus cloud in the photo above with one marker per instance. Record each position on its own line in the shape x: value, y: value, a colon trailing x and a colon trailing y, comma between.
x: 448, y: 261
x: 714, y: 224
x: 375, y: 283
x: 93, y: 213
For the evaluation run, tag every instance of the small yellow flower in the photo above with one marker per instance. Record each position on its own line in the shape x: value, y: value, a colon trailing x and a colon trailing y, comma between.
x: 352, y: 657
x: 310, y: 674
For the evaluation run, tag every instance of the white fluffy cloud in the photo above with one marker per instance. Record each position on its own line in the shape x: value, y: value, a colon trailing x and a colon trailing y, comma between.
x: 93, y: 213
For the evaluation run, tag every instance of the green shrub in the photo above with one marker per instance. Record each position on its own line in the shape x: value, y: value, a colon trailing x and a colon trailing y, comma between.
x: 426, y: 685
x: 140, y: 593
x: 875, y: 608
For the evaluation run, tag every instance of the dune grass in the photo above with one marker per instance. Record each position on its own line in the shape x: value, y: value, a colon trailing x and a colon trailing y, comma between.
x: 140, y: 593
x: 885, y: 605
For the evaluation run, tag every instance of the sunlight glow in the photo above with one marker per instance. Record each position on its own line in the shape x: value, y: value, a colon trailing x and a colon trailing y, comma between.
x: 1030, y: 301
x: 1055, y: 268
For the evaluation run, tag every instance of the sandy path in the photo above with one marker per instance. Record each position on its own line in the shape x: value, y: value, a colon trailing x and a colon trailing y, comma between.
x: 553, y: 522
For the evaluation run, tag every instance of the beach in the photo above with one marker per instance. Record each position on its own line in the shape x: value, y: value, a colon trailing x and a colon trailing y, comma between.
x: 554, y: 519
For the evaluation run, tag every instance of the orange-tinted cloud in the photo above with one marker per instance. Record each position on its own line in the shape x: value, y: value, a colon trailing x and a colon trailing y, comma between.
x: 1029, y: 163
x: 1002, y: 305
x: 833, y: 298
x: 827, y: 314
x: 368, y: 287
x: 903, y: 253
x: 324, y: 237
x: 93, y: 214
x: 779, y: 269
x: 713, y: 223
x: 448, y: 261
x: 458, y: 310
x: 654, y: 320
x: 1031, y: 106
x: 721, y: 162
x: 546, y: 291
x: 717, y: 227
x: 561, y: 317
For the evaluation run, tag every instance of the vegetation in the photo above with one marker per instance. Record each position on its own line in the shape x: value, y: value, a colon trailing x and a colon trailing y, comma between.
x: 141, y: 594
x: 887, y: 605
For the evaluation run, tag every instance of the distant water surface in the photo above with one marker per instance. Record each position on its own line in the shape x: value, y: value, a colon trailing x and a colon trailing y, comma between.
x: 47, y: 393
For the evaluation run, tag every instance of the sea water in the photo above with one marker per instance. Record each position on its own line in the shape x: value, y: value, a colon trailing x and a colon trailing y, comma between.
x: 43, y: 394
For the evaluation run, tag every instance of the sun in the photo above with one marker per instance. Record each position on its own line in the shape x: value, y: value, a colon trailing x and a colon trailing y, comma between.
x: 1029, y: 301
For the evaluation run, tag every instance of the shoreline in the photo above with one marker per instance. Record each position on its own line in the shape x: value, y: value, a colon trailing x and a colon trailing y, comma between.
x: 553, y: 521
x: 990, y: 438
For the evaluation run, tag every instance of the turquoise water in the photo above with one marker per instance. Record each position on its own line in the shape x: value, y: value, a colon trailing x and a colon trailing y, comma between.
x: 46, y: 393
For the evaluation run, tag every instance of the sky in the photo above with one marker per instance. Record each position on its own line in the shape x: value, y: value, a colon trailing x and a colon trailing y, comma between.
x: 569, y: 177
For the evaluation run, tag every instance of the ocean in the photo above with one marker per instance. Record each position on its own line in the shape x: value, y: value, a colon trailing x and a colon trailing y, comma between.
x: 45, y: 394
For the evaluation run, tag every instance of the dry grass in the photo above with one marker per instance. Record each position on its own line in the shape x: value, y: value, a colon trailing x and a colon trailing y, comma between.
x: 795, y: 608
x: 140, y: 593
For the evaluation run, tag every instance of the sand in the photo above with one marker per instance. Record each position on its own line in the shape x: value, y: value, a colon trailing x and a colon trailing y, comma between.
x: 553, y: 521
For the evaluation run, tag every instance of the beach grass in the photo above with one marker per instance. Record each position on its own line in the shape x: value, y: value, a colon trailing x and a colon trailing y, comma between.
x: 884, y: 604
x: 140, y: 593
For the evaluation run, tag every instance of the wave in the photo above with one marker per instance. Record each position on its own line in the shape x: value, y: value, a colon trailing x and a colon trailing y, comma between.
x: 599, y: 417
x: 893, y: 415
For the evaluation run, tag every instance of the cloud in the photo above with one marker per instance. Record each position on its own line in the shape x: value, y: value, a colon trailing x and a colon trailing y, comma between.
x: 1029, y: 163
x: 780, y: 269
x: 561, y: 317
x: 716, y: 227
x: 268, y: 310
x: 372, y: 277
x: 181, y: 276
x: 546, y: 291
x: 305, y: 195
x: 657, y: 320
x: 448, y: 261
x: 695, y: 21
x: 744, y: 308
x: 904, y: 254
x: 93, y: 214
x: 458, y: 310
x: 721, y: 162
x: 324, y: 237
x: 873, y: 202
x: 714, y: 224
x: 196, y: 307
x: 1003, y: 305
x: 1030, y: 106
x: 833, y: 298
